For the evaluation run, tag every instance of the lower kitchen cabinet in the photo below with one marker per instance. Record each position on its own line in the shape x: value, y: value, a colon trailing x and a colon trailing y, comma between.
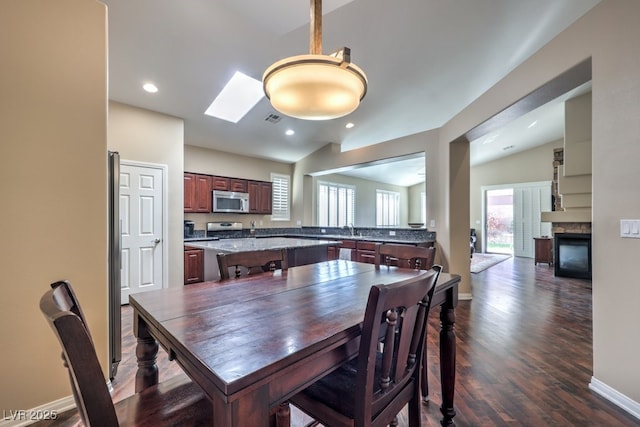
x: 193, y: 265
x: 366, y: 252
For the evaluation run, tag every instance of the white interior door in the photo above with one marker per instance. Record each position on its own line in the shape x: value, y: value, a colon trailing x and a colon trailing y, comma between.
x: 529, y: 202
x: 141, y: 216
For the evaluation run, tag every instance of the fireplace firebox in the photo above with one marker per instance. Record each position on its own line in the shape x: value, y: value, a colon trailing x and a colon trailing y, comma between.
x: 572, y: 255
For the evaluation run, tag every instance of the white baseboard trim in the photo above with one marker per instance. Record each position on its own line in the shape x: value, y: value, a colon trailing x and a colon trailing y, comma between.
x: 25, y: 417
x: 615, y: 397
x: 464, y: 297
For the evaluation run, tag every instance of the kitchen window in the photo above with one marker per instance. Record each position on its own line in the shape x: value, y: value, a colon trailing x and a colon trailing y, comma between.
x: 387, y: 208
x: 336, y: 204
x: 280, y: 210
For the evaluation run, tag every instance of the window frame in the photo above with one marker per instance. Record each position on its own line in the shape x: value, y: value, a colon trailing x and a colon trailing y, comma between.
x: 345, y: 211
x: 278, y: 213
x: 390, y: 200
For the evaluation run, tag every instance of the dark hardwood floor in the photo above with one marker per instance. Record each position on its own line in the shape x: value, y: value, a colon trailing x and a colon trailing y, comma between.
x: 524, y: 355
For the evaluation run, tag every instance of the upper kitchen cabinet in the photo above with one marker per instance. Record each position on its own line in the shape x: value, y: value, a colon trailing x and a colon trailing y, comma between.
x: 260, y: 193
x: 197, y: 193
x: 228, y: 184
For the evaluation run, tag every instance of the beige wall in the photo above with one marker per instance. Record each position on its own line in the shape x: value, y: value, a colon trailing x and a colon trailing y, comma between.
x: 415, y: 202
x: 146, y: 136
x: 213, y: 162
x: 615, y: 149
x: 527, y: 166
x: 53, y: 172
x: 608, y: 34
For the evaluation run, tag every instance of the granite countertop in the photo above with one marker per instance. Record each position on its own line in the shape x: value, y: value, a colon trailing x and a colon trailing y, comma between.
x: 378, y: 239
x: 251, y: 244
x: 200, y: 239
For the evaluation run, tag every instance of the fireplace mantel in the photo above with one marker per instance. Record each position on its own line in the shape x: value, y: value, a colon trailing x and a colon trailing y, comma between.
x: 571, y: 227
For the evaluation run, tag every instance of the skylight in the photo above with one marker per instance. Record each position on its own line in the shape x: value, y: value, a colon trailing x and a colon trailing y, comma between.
x: 235, y: 100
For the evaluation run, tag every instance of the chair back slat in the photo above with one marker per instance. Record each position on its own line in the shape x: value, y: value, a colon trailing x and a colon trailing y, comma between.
x: 404, y: 256
x: 401, y: 305
x: 61, y: 309
x: 423, y: 312
x: 253, y: 262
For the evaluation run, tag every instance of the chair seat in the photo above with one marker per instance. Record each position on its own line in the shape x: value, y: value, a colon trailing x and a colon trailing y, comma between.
x: 338, y: 389
x: 174, y: 402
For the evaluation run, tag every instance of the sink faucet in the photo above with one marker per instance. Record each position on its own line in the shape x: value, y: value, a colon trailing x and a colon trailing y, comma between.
x: 351, y: 230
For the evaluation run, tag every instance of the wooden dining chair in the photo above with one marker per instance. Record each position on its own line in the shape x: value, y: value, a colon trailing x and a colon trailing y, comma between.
x: 253, y: 262
x: 415, y: 257
x: 371, y: 389
x: 177, y: 402
x: 405, y: 256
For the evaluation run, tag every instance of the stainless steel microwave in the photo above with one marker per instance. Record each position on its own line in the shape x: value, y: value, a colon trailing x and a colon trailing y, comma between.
x: 230, y: 201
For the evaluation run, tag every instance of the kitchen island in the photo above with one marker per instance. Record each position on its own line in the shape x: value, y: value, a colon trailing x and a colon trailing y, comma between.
x: 299, y: 251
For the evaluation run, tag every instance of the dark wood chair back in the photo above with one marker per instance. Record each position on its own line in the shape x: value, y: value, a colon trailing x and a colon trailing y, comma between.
x: 372, y: 389
x: 175, y: 402
x: 253, y: 262
x: 61, y: 309
x: 405, y: 256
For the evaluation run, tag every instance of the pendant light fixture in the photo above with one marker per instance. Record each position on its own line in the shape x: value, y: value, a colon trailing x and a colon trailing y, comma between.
x: 315, y: 86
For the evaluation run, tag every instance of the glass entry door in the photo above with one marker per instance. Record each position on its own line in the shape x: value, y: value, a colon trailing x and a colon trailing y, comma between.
x: 512, y: 217
x: 499, y: 221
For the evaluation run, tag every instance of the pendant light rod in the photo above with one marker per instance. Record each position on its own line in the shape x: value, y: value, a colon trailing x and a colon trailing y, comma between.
x: 315, y: 36
x: 315, y: 86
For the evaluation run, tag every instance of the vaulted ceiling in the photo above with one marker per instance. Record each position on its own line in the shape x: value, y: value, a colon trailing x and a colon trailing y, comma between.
x: 426, y: 60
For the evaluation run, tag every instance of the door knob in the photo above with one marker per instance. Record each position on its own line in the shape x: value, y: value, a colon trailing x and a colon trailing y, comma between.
x: 156, y: 241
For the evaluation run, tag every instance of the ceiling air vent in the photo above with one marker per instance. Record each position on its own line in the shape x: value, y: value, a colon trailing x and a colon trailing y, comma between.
x: 273, y: 118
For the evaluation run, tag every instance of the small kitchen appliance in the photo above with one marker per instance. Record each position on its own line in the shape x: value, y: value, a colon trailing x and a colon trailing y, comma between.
x: 230, y: 201
x: 189, y: 229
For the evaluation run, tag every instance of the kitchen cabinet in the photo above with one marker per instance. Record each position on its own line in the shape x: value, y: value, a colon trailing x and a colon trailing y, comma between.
x: 197, y: 193
x: 366, y: 252
x: 333, y: 252
x: 220, y: 183
x: 224, y: 183
x: 260, y: 194
x: 198, y: 187
x: 543, y: 250
x: 189, y: 192
x: 238, y: 185
x: 193, y: 265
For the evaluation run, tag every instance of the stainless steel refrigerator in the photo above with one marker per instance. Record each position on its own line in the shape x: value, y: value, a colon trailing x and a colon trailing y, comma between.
x: 115, y: 264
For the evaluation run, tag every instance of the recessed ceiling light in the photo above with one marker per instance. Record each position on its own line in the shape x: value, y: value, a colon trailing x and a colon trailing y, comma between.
x: 150, y: 87
x: 239, y: 95
x: 349, y: 125
x: 290, y: 132
x: 532, y: 124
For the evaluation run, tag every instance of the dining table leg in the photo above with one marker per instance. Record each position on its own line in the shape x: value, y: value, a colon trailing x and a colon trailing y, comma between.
x: 146, y: 354
x: 281, y: 415
x: 250, y: 409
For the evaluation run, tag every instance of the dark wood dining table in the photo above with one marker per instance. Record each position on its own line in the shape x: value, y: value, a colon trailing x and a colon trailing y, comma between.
x: 251, y: 343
